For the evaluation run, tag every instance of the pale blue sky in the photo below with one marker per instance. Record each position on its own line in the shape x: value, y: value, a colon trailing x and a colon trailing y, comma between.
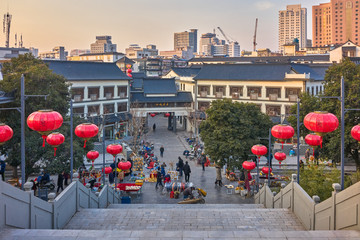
x: 75, y: 23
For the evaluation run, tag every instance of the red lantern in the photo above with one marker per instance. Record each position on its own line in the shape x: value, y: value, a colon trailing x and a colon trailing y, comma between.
x: 86, y: 131
x: 282, y: 132
x: 124, y: 165
x: 280, y: 156
x: 248, y: 165
x: 152, y: 114
x: 114, y: 149
x: 44, y: 122
x: 129, y: 70
x: 92, y: 155
x: 259, y: 150
x: 313, y: 140
x: 265, y: 170
x: 355, y: 132
x: 108, y: 170
x: 6, y: 133
x: 167, y: 114
x: 321, y: 122
x: 55, y: 139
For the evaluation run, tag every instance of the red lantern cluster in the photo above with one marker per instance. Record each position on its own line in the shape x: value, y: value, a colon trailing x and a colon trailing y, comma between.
x: 92, y: 155
x: 280, y: 156
x: 265, y: 170
x: 6, y: 133
x: 248, y: 165
x: 124, y: 165
x: 355, y: 132
x: 321, y: 122
x: 114, y: 149
x: 55, y: 139
x: 282, y: 132
x: 86, y: 131
x: 129, y: 71
x: 44, y: 122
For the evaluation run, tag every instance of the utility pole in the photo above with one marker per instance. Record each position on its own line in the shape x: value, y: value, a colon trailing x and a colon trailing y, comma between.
x: 254, y: 42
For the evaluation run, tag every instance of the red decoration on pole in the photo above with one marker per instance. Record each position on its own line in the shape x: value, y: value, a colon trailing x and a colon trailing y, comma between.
x: 280, y: 156
x: 282, y: 132
x: 108, y: 170
x: 259, y: 150
x: 321, y: 122
x: 92, y: 155
x: 55, y: 139
x: 265, y: 170
x: 167, y: 114
x: 44, y: 122
x: 124, y: 165
x: 129, y: 70
x: 6, y: 133
x: 355, y: 132
x: 313, y: 140
x: 86, y: 131
x: 114, y: 149
x: 152, y: 114
x: 248, y: 165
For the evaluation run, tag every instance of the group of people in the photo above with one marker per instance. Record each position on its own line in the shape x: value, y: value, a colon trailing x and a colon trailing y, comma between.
x: 62, y: 179
x: 181, y: 167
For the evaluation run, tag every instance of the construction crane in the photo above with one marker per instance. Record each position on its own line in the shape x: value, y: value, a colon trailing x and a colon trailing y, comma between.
x: 224, y: 35
x: 256, y: 24
x: 6, y: 25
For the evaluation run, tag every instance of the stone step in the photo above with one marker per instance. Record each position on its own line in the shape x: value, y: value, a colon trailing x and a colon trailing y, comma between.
x: 187, y: 219
x: 17, y: 234
x: 187, y: 206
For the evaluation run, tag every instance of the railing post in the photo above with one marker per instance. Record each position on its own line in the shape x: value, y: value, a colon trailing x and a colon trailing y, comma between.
x: 27, y: 188
x: 316, y: 199
x: 293, y: 181
x: 337, y: 189
x: 76, y: 180
x: 282, y: 193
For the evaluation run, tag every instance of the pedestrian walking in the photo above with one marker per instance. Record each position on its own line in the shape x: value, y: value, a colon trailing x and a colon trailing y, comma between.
x: 163, y: 172
x: 187, y: 171
x: 307, y: 155
x: 162, y: 151
x: 158, y: 179
x: 2, y: 169
x: 154, y: 127
x: 180, y: 166
x: 218, y: 175
x: 203, y: 161
x: 60, y: 182
x: 66, y: 178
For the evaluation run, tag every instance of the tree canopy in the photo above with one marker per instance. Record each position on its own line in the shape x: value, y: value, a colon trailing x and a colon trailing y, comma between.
x: 331, y: 141
x: 39, y: 80
x: 231, y: 129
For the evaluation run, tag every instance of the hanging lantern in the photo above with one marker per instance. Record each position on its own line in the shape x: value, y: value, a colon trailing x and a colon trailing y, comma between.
x: 44, y: 122
x: 313, y: 140
x: 114, y: 149
x: 128, y: 70
x: 259, y: 150
x: 280, y: 156
x: 124, y: 165
x: 108, y: 170
x: 55, y: 139
x: 152, y: 114
x: 6, y: 133
x: 129, y: 75
x: 321, y: 122
x: 167, y: 114
x: 86, y: 131
x: 282, y: 132
x: 248, y: 165
x: 265, y: 170
x: 92, y: 155
x: 355, y: 132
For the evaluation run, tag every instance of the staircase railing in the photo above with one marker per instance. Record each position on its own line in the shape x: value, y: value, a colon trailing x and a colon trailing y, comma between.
x: 21, y: 209
x: 339, y: 212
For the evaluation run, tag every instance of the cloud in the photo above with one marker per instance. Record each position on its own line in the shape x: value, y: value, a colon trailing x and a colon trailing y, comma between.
x: 264, y: 5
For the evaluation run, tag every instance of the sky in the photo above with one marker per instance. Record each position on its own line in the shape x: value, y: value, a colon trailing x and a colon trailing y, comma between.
x: 45, y: 24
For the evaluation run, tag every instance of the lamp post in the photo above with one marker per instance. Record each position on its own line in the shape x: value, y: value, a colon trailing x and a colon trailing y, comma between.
x: 21, y: 109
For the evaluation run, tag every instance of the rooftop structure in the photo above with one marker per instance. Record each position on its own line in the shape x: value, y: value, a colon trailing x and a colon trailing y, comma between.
x: 103, y: 44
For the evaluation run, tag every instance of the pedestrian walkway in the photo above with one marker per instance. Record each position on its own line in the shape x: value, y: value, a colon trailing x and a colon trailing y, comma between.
x: 175, y: 144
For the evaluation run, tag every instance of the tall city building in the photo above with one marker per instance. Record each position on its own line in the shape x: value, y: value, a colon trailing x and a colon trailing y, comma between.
x: 343, y: 24
x: 206, y: 41
x: 135, y: 51
x: 103, y: 44
x: 321, y: 21
x: 292, y: 24
x: 58, y: 53
x: 182, y: 40
x: 234, y: 49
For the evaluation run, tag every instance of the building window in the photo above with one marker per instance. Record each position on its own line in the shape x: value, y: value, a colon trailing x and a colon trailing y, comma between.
x: 108, y: 92
x: 204, y: 91
x: 93, y: 110
x: 219, y: 91
x: 122, y: 91
x: 78, y: 111
x: 253, y: 91
x: 77, y: 94
x: 202, y: 106
x: 93, y: 93
x: 108, y: 108
x: 122, y: 107
x: 236, y: 92
x: 273, y: 93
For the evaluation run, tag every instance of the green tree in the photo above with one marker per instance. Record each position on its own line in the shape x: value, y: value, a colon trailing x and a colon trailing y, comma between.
x: 331, y: 141
x: 231, y: 129
x: 39, y: 80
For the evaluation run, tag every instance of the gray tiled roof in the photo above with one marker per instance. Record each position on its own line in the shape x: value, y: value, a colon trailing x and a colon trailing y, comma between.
x: 185, y: 97
x: 319, y: 57
x: 187, y: 72
x: 159, y: 86
x: 265, y: 72
x: 76, y: 70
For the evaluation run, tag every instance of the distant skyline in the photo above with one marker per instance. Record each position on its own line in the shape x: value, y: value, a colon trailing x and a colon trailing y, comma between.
x: 45, y: 24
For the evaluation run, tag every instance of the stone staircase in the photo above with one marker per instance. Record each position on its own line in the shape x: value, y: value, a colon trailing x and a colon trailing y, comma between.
x: 170, y: 221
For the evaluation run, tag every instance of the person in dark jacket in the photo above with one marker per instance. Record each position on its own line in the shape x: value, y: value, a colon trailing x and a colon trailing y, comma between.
x: 187, y: 171
x: 159, y: 179
x: 203, y: 161
x: 180, y: 165
x: 60, y: 182
x: 188, y: 192
x: 2, y: 169
x: 111, y: 177
x: 162, y: 151
x: 66, y: 178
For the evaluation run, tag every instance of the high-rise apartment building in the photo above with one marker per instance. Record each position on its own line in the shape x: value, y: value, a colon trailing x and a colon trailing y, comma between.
x: 343, y: 23
x: 182, y: 40
x: 321, y: 22
x: 292, y: 24
x: 103, y: 44
x: 58, y: 53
